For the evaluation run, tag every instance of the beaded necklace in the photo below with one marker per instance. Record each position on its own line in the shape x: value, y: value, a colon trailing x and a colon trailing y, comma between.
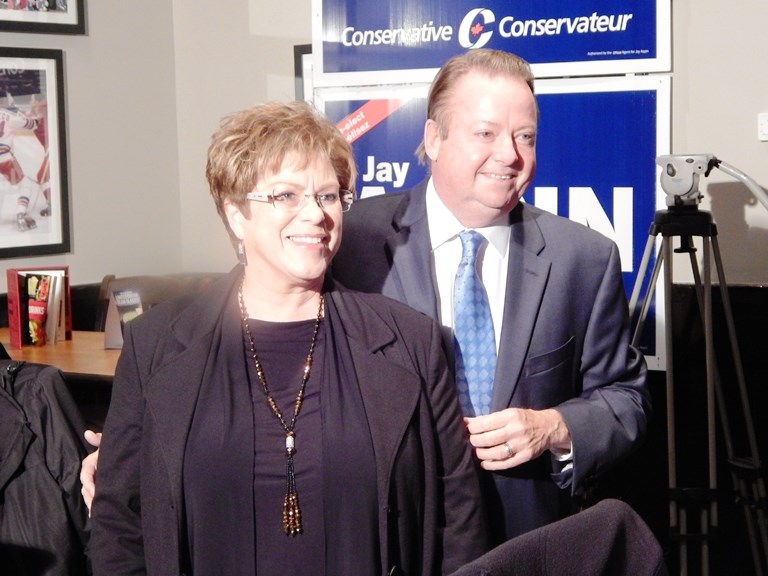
x: 291, y: 510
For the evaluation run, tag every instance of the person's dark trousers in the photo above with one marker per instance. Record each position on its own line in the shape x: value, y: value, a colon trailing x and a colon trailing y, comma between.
x: 609, y: 538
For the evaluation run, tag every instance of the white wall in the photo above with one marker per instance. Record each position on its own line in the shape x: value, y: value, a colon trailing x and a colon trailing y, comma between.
x: 229, y: 55
x: 720, y: 84
x: 148, y: 84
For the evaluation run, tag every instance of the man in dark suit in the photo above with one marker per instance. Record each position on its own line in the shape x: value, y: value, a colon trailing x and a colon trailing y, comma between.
x: 569, y: 398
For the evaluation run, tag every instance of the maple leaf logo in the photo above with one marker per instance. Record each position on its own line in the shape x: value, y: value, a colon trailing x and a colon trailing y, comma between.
x: 476, y: 29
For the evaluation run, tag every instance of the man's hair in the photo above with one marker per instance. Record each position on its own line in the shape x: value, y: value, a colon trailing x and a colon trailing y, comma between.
x: 254, y: 143
x: 489, y: 62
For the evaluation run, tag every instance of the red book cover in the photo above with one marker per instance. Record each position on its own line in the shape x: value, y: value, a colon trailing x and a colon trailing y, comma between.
x: 18, y: 318
x: 17, y: 306
x: 38, y: 291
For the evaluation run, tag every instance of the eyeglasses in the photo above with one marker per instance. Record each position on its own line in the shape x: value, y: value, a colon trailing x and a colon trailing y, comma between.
x: 293, y: 202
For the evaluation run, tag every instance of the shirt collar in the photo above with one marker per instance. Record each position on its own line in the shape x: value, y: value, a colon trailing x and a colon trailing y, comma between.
x: 444, y: 226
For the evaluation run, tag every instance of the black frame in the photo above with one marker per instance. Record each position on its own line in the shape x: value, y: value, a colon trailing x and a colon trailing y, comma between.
x: 299, y: 51
x: 53, y: 22
x: 35, y: 76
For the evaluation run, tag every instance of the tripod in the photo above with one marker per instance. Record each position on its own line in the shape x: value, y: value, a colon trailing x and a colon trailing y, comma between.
x: 686, y: 222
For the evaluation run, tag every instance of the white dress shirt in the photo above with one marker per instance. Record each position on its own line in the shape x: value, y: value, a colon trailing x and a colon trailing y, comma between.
x: 444, y: 229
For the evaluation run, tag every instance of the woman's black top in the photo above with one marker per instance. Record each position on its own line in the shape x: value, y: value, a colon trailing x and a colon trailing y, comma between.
x: 322, y: 482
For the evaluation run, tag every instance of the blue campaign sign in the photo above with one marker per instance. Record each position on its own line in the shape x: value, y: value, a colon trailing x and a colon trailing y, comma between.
x: 596, y: 154
x: 579, y: 37
x: 596, y: 149
x: 599, y: 148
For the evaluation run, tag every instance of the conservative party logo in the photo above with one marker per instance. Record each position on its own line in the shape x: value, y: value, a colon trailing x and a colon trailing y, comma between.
x: 475, y: 30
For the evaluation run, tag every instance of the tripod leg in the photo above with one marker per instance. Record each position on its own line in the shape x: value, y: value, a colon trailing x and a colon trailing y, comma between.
x: 712, y: 378
x: 678, y: 519
x: 678, y: 522
x: 738, y: 467
x: 641, y: 274
x: 728, y: 313
x: 703, y: 289
x: 646, y: 304
x: 757, y: 494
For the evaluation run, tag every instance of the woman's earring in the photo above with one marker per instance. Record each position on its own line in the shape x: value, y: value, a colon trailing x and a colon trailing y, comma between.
x: 241, y: 255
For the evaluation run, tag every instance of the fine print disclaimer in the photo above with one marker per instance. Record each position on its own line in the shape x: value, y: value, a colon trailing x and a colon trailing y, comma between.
x: 642, y: 51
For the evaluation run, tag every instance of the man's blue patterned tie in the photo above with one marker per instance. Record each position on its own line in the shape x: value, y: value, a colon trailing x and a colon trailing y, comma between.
x: 473, y: 335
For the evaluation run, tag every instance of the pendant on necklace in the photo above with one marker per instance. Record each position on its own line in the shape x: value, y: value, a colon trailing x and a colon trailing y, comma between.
x: 291, y: 511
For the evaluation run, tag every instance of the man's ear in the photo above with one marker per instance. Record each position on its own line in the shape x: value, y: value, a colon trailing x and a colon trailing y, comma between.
x: 235, y: 217
x: 432, y: 140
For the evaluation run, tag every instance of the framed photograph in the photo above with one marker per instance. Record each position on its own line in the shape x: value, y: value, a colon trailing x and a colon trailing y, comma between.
x: 34, y: 199
x: 45, y: 16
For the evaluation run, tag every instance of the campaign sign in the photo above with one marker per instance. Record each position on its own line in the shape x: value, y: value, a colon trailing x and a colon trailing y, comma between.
x: 575, y: 38
x: 596, y: 148
x: 384, y: 147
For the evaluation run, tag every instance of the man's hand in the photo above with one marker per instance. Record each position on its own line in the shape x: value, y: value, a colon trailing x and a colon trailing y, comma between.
x: 514, y: 436
x: 88, y: 468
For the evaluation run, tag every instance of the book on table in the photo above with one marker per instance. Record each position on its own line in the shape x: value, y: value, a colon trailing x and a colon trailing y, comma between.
x: 124, y: 306
x: 39, y: 305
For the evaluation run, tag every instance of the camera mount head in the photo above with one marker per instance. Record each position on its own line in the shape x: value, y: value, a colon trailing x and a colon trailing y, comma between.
x: 680, y: 176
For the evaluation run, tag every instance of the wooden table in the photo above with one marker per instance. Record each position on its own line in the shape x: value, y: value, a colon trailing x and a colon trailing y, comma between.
x: 83, y: 357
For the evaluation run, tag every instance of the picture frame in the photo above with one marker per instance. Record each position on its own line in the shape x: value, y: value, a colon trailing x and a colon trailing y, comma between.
x: 34, y: 193
x: 302, y: 71
x: 64, y: 17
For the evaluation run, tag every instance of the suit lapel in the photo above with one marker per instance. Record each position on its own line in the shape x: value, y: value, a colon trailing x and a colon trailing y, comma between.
x: 390, y: 392
x: 173, y: 388
x: 171, y: 398
x: 527, y: 275
x: 411, y: 281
